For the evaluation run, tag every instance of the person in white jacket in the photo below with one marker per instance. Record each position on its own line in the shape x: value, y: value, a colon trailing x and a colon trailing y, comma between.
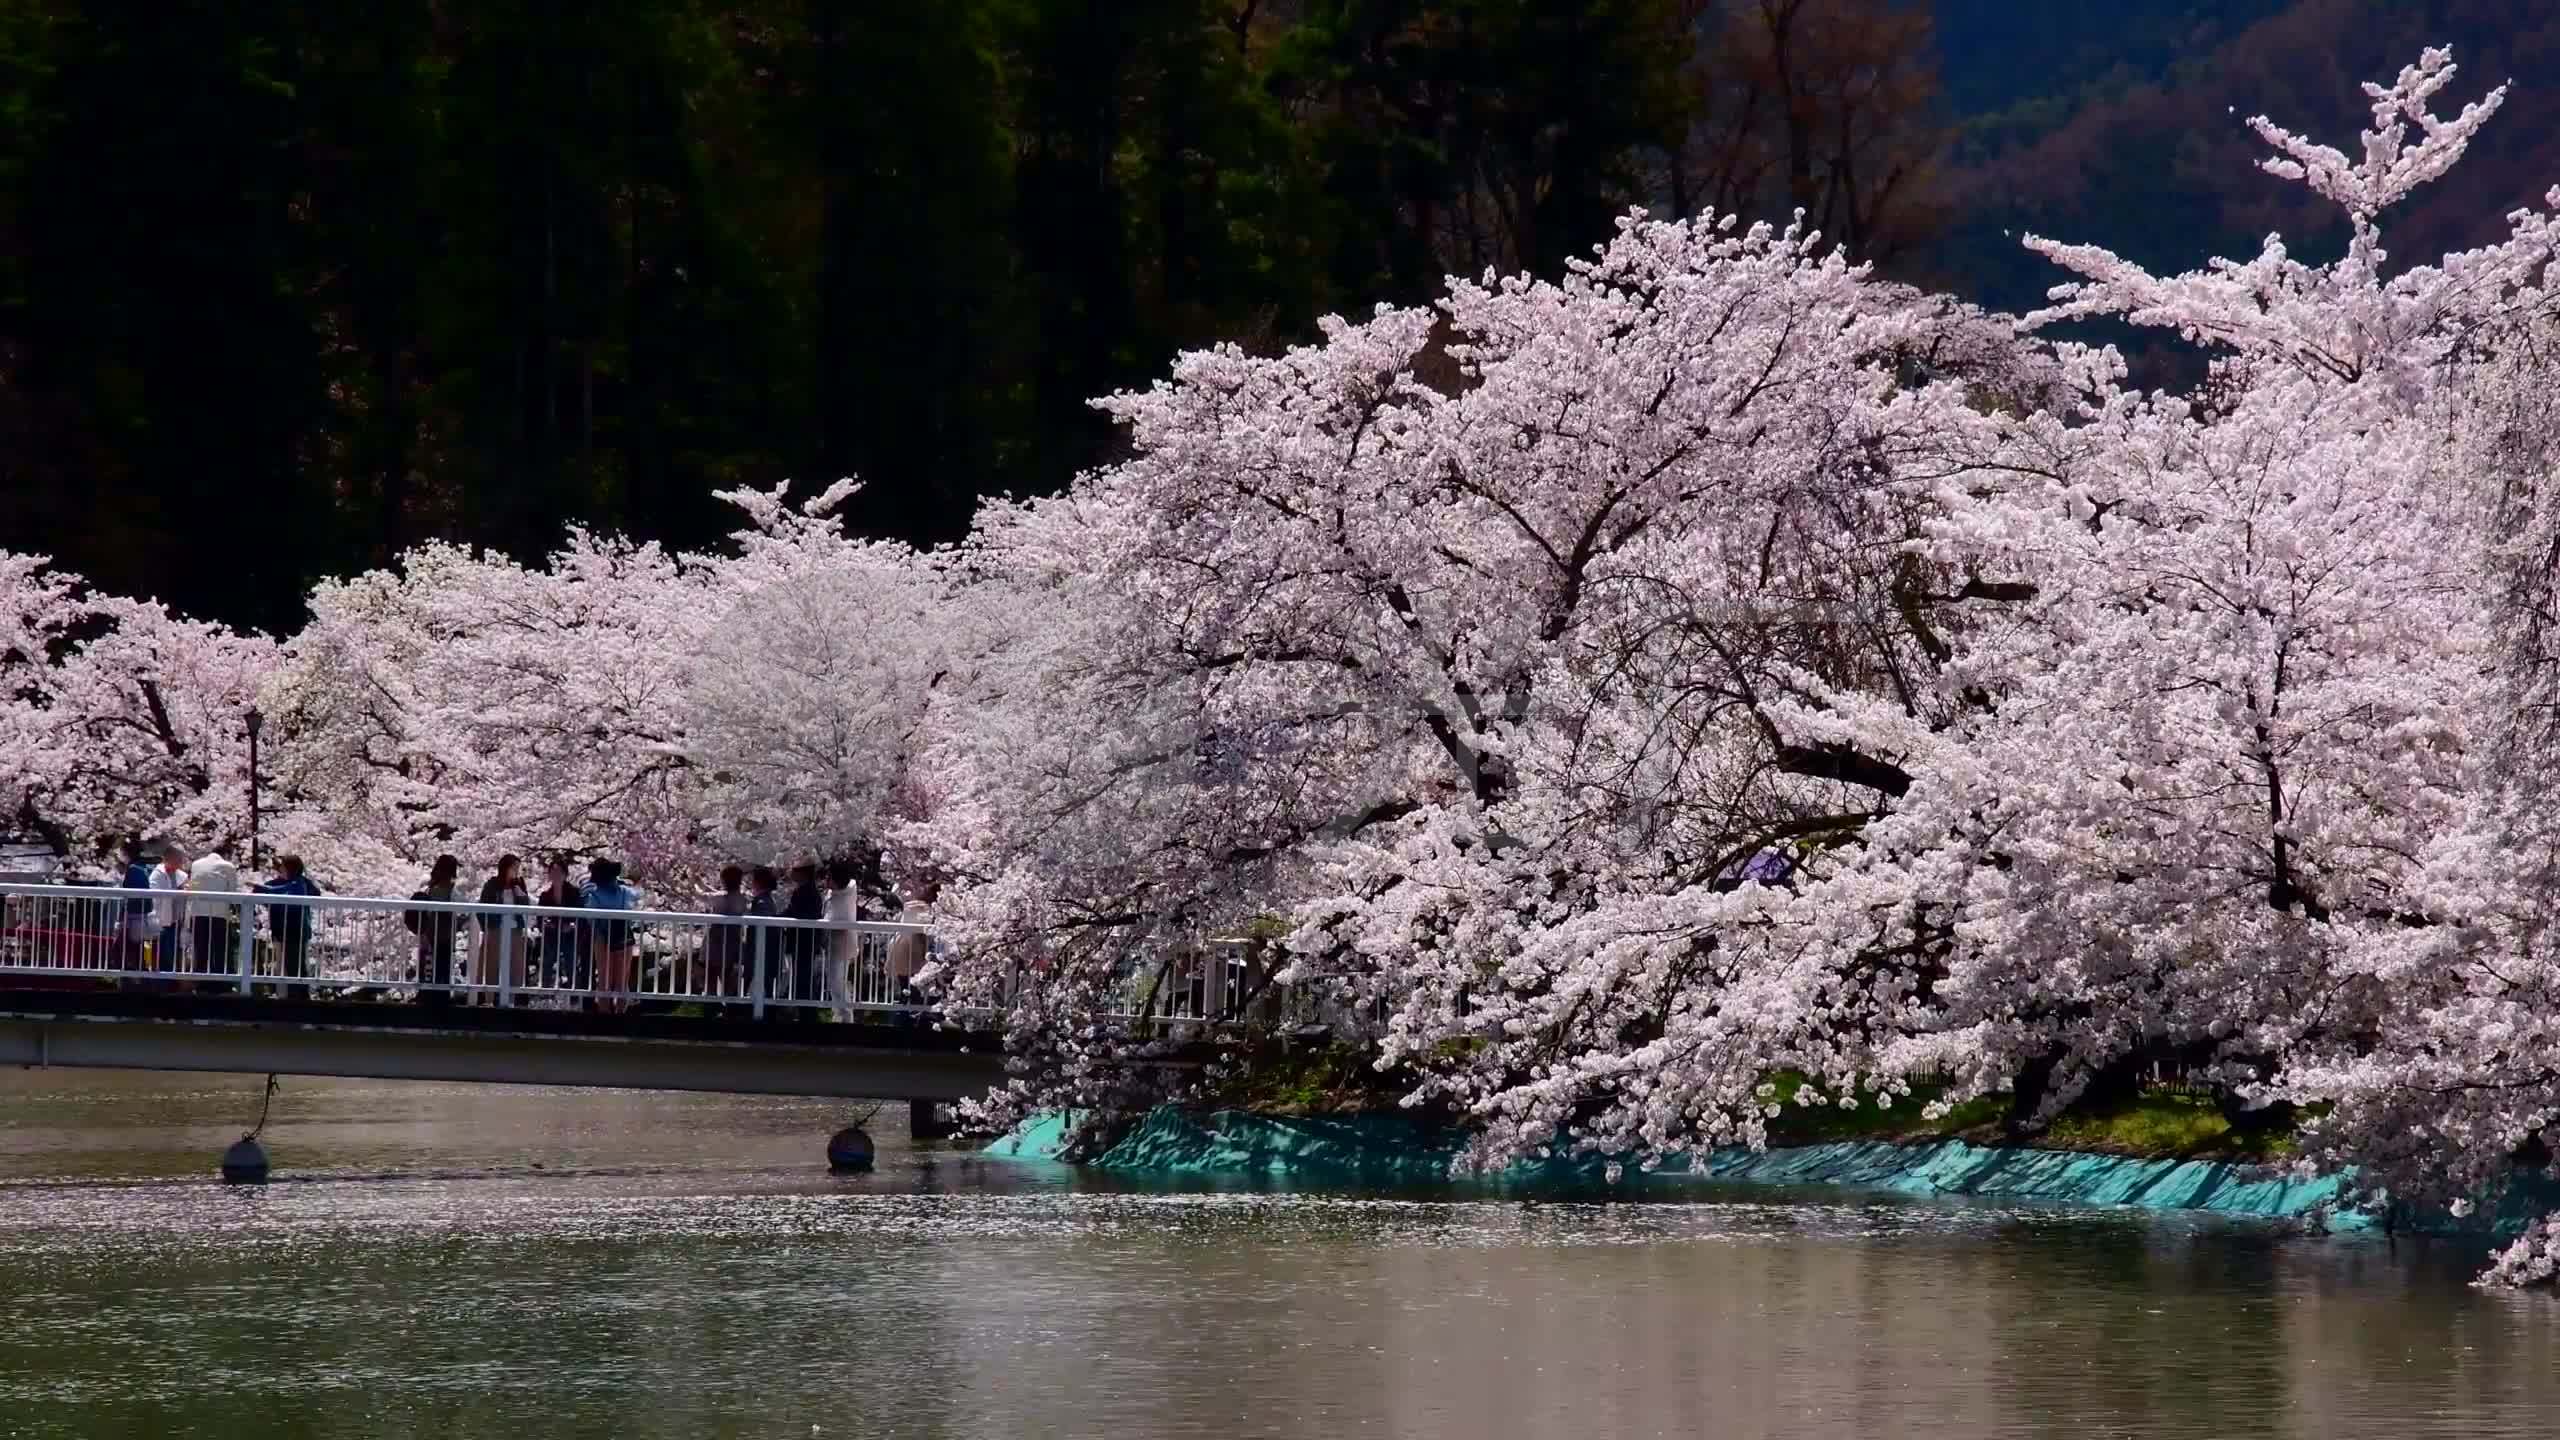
x: 911, y: 950
x: 214, y: 926
x: 168, y: 912
x: 844, y: 944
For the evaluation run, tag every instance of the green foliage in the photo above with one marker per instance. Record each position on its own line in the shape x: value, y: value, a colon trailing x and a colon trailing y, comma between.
x: 2157, y: 1123
x: 1307, y: 1080
x: 1797, y: 1124
x: 2168, y: 1124
x: 1267, y: 928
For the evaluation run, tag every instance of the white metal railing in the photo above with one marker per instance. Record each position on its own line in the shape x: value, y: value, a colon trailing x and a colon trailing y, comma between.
x: 463, y: 952
x: 460, y: 952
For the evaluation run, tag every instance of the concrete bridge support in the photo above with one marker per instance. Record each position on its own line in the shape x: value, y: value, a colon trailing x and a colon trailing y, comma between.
x: 930, y: 1120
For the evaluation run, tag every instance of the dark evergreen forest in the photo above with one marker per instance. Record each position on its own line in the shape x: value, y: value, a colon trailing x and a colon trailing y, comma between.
x: 286, y: 286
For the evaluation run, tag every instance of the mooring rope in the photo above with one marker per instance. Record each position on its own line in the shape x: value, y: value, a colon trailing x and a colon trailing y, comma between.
x: 263, y: 1108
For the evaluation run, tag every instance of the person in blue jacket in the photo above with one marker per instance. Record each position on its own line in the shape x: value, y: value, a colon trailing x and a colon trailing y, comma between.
x: 135, y: 931
x: 290, y: 925
x: 612, y: 938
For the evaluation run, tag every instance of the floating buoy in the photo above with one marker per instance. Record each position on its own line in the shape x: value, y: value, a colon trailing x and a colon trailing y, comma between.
x: 245, y: 1163
x: 849, y: 1149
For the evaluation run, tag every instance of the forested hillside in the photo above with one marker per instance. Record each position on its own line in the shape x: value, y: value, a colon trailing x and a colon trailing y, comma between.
x: 286, y: 286
x: 2015, y: 70
x: 2151, y: 152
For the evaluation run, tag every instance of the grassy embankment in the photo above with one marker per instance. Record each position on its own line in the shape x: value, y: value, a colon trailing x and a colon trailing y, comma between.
x: 2157, y: 1123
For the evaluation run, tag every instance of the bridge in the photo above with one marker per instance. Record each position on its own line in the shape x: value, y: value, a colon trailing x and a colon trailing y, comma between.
x: 506, y: 994
x: 379, y: 988
x: 143, y: 1030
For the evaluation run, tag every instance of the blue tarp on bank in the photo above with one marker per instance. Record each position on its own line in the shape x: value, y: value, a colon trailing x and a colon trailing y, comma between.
x: 1953, y: 1167
x: 1360, y: 1149
x: 1391, y: 1150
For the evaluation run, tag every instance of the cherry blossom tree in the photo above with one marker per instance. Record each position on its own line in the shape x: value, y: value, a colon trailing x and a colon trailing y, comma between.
x: 1743, y: 665
x: 2408, y: 984
x: 38, y: 610
x: 675, y: 710
x: 2212, y: 786
x: 1347, y: 641
x: 802, y: 681
x: 470, y: 704
x: 118, y: 717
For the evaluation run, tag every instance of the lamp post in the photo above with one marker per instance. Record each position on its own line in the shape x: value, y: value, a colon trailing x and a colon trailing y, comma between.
x: 257, y: 722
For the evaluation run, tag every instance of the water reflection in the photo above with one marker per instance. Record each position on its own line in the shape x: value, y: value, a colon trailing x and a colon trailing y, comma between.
x: 460, y: 1261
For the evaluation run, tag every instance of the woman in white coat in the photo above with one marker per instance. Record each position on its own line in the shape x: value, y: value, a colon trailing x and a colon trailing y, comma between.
x: 844, y: 943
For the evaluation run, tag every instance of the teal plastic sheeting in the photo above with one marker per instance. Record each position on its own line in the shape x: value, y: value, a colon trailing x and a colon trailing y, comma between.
x: 1368, y: 1149
x: 1953, y: 1167
x: 1041, y: 1137
x: 1389, y: 1149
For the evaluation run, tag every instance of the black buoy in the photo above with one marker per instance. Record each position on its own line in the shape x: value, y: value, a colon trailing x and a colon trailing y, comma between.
x: 245, y: 1163
x: 849, y: 1149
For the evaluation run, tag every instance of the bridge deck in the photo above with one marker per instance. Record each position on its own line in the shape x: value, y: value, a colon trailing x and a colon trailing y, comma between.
x: 371, y: 1039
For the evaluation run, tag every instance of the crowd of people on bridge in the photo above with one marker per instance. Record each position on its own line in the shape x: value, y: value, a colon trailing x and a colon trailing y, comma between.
x: 515, y: 943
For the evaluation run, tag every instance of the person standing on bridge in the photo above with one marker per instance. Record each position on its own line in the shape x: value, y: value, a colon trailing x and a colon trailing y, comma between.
x: 912, y: 949
x: 502, y: 934
x: 764, y: 954
x: 844, y: 943
x: 435, y: 931
x: 726, y: 946
x: 216, y: 924
x: 290, y: 924
x: 564, y: 941
x: 169, y: 912
x: 136, y: 933
x: 605, y: 891
x: 806, y: 903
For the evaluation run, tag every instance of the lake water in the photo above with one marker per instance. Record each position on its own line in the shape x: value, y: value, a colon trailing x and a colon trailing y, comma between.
x: 459, y: 1261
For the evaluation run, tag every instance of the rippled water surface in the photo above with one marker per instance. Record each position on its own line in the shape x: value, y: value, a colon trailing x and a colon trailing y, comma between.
x: 446, y: 1260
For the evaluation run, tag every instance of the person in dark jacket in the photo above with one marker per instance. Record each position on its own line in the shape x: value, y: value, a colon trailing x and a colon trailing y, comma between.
x: 807, y: 902
x: 564, y: 949
x: 502, y: 936
x: 435, y: 931
x: 290, y: 925
x: 725, y: 947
